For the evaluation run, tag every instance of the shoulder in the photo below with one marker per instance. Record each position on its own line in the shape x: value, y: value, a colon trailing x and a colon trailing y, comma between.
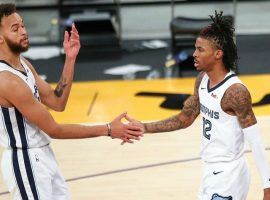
x: 198, y: 81
x: 237, y: 90
x: 10, y: 82
x: 237, y: 95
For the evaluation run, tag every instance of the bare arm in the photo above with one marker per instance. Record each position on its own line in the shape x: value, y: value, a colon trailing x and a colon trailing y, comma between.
x: 182, y: 120
x: 57, y: 98
x: 37, y: 114
x: 237, y: 101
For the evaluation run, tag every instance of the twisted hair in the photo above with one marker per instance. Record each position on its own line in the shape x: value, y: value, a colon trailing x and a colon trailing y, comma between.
x: 221, y: 33
x: 6, y: 9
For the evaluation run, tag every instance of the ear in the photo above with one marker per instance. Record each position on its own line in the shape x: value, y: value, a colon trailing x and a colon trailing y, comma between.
x: 219, y: 54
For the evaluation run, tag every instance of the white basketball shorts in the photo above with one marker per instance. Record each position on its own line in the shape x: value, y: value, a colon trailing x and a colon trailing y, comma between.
x: 33, y: 174
x: 225, y: 180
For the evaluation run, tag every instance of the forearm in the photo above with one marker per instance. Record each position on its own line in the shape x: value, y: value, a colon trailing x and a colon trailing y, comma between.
x: 170, y: 124
x: 74, y: 131
x: 63, y: 87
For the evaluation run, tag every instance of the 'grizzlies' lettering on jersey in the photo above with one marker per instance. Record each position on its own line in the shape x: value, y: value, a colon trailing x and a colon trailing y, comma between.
x: 210, y: 113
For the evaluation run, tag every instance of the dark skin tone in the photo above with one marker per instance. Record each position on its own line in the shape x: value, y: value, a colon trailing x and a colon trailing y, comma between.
x: 236, y: 100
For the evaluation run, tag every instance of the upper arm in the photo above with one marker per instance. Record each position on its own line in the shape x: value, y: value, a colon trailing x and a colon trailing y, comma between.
x: 238, y: 99
x: 45, y: 90
x: 24, y: 101
x: 191, y: 108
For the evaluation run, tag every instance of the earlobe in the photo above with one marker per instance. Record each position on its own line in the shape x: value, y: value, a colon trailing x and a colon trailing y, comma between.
x: 219, y: 54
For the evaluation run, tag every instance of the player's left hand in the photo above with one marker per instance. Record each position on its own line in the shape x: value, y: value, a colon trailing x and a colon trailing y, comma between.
x: 72, y: 43
x: 266, y: 195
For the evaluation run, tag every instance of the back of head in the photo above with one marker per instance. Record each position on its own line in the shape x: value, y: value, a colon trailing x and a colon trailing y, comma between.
x: 6, y: 9
x: 221, y: 33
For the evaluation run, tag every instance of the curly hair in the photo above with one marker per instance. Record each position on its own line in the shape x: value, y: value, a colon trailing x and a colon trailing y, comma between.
x: 6, y: 9
x: 221, y: 33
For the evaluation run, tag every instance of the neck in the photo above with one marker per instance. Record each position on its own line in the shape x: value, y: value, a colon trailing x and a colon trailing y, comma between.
x: 10, y: 58
x: 216, y: 75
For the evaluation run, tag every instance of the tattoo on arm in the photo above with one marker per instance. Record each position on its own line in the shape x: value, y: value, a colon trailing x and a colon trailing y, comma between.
x: 170, y: 124
x: 185, y: 118
x: 238, y: 98
x: 60, y: 87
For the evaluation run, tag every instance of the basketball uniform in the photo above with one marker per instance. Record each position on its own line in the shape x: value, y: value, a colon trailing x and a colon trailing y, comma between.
x: 225, y: 174
x: 28, y: 164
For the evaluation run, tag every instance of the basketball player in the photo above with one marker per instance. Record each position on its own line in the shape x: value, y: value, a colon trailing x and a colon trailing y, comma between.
x: 227, y: 117
x: 28, y: 164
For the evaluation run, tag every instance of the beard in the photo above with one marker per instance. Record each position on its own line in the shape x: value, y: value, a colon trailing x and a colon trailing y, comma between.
x: 16, y: 47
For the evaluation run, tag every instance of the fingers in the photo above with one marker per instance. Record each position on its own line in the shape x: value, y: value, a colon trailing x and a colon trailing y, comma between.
x: 66, y: 36
x: 73, y: 28
x: 133, y: 134
x: 126, y: 140
x: 74, y: 35
x: 129, y: 118
x: 134, y: 127
x: 119, y: 117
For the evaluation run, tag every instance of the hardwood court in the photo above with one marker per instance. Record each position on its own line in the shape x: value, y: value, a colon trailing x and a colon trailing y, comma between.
x: 165, y: 166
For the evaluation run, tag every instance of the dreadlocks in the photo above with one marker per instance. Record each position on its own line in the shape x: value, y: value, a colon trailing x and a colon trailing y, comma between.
x: 220, y: 33
x: 6, y: 10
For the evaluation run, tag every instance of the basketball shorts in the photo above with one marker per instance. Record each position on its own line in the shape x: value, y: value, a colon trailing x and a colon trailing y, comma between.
x: 225, y: 180
x: 33, y: 174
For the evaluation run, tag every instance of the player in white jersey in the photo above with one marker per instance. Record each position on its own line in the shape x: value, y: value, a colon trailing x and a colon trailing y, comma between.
x: 28, y: 164
x: 227, y: 117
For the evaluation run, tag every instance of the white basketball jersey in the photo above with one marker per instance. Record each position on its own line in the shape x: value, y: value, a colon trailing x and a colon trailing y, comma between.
x: 222, y: 136
x: 15, y: 130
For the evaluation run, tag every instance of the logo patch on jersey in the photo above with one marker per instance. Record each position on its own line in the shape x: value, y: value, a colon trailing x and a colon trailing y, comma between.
x: 37, y: 158
x: 215, y: 173
x: 219, y: 197
x: 214, y: 96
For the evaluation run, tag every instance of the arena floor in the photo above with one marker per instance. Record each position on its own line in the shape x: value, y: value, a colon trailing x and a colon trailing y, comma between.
x: 164, y: 166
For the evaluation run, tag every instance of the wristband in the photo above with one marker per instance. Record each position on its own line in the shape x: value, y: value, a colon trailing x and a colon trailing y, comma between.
x: 109, y: 129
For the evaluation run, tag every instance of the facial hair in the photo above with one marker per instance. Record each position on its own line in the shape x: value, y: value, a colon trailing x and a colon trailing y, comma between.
x: 16, y: 47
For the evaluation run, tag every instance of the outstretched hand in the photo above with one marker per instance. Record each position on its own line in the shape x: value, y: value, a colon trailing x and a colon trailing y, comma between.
x: 72, y: 43
x: 133, y: 122
x: 126, y: 132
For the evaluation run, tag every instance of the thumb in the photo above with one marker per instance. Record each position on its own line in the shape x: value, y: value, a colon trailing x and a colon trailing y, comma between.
x: 119, y: 117
x: 129, y: 118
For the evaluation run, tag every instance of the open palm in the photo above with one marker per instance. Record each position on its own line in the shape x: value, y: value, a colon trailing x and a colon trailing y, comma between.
x: 72, y: 43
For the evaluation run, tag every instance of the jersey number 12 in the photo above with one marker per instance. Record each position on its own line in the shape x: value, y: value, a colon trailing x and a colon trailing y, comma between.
x: 207, y: 126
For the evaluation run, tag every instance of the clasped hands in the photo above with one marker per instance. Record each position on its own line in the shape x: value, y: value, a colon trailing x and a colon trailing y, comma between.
x: 129, y: 132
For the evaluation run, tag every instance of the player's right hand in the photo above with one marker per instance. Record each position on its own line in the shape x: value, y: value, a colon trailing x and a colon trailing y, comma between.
x: 126, y: 132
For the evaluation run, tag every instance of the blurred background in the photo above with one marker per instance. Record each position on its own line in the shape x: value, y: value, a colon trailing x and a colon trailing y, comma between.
x: 144, y: 33
x: 136, y: 56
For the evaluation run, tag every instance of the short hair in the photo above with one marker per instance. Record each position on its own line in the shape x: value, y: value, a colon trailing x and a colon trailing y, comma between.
x: 221, y: 33
x: 6, y: 9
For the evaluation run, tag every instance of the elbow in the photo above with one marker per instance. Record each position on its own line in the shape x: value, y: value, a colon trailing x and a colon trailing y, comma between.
x: 54, y: 131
